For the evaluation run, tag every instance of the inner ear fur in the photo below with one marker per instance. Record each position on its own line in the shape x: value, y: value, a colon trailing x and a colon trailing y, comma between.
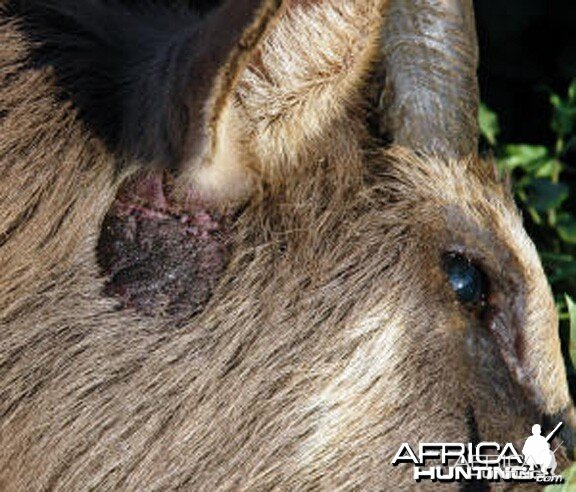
x: 225, y: 45
x: 296, y: 68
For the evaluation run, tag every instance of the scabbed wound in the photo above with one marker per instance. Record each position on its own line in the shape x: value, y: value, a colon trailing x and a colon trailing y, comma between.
x: 158, y: 258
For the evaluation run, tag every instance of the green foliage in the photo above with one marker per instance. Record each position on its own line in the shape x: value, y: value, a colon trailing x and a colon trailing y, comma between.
x: 572, y: 320
x: 543, y: 180
x: 569, y: 484
x: 488, y: 121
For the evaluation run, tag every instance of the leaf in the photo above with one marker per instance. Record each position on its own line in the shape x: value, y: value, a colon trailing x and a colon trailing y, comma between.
x: 489, y: 126
x: 544, y: 195
x: 566, y: 227
x: 546, y: 169
x: 527, y: 157
x: 569, y: 481
x: 555, y: 100
x: 572, y: 316
x: 564, y: 117
x: 572, y: 92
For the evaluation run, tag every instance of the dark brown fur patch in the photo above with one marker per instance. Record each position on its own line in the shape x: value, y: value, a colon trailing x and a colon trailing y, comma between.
x: 160, y: 262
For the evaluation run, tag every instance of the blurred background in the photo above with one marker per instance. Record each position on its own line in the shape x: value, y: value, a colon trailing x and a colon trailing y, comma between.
x: 528, y: 47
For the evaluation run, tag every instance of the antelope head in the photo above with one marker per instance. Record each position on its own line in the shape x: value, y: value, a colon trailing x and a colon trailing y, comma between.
x: 368, y: 294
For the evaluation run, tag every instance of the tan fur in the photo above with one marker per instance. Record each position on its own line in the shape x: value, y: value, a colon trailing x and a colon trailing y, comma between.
x: 333, y: 336
x: 304, y: 78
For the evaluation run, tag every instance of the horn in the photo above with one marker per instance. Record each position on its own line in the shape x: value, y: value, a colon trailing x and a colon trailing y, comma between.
x: 430, y: 98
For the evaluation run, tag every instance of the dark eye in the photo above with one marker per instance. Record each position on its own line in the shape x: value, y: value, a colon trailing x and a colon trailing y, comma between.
x: 467, y: 280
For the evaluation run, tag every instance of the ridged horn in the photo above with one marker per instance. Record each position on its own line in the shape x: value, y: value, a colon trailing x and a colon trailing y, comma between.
x: 430, y: 98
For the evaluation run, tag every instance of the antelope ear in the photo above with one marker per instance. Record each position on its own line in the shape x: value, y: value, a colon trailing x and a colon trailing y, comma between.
x: 222, y: 48
x: 287, y: 74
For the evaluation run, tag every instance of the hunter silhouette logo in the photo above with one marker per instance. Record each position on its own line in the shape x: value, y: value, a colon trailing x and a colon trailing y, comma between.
x: 490, y: 461
x: 537, y: 450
